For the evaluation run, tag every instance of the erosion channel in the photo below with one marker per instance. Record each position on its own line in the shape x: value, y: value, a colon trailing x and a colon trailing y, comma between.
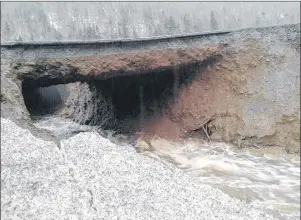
x: 224, y: 111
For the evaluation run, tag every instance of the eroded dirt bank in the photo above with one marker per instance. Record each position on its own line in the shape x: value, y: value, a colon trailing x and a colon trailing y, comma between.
x: 245, y: 92
x: 250, y: 97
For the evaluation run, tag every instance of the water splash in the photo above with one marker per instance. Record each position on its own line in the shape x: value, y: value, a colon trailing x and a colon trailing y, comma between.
x: 270, y: 179
x: 89, y: 106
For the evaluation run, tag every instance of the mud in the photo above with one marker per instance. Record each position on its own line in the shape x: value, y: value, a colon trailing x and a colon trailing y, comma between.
x: 247, y: 89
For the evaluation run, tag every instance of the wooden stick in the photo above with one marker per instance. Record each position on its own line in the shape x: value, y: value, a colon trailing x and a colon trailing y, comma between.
x: 206, y: 133
x: 203, y: 123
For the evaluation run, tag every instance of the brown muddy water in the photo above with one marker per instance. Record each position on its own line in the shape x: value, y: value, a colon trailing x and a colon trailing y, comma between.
x: 269, y: 178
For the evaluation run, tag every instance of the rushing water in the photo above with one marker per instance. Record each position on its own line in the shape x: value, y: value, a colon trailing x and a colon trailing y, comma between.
x: 269, y: 180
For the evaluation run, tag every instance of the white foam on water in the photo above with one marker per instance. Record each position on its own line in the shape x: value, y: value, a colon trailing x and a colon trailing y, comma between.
x: 272, y: 180
x: 268, y: 181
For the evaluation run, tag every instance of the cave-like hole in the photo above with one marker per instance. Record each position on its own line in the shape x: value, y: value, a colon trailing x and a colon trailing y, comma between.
x: 135, y: 99
x: 121, y: 103
x: 41, y: 101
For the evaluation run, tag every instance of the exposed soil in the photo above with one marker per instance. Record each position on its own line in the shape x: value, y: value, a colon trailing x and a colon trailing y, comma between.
x: 221, y: 93
x: 248, y: 93
x: 60, y: 71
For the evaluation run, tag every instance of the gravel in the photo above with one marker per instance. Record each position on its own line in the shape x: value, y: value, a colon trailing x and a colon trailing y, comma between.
x: 90, y: 177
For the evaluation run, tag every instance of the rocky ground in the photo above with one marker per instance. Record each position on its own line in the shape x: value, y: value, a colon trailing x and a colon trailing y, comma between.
x: 89, y: 177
